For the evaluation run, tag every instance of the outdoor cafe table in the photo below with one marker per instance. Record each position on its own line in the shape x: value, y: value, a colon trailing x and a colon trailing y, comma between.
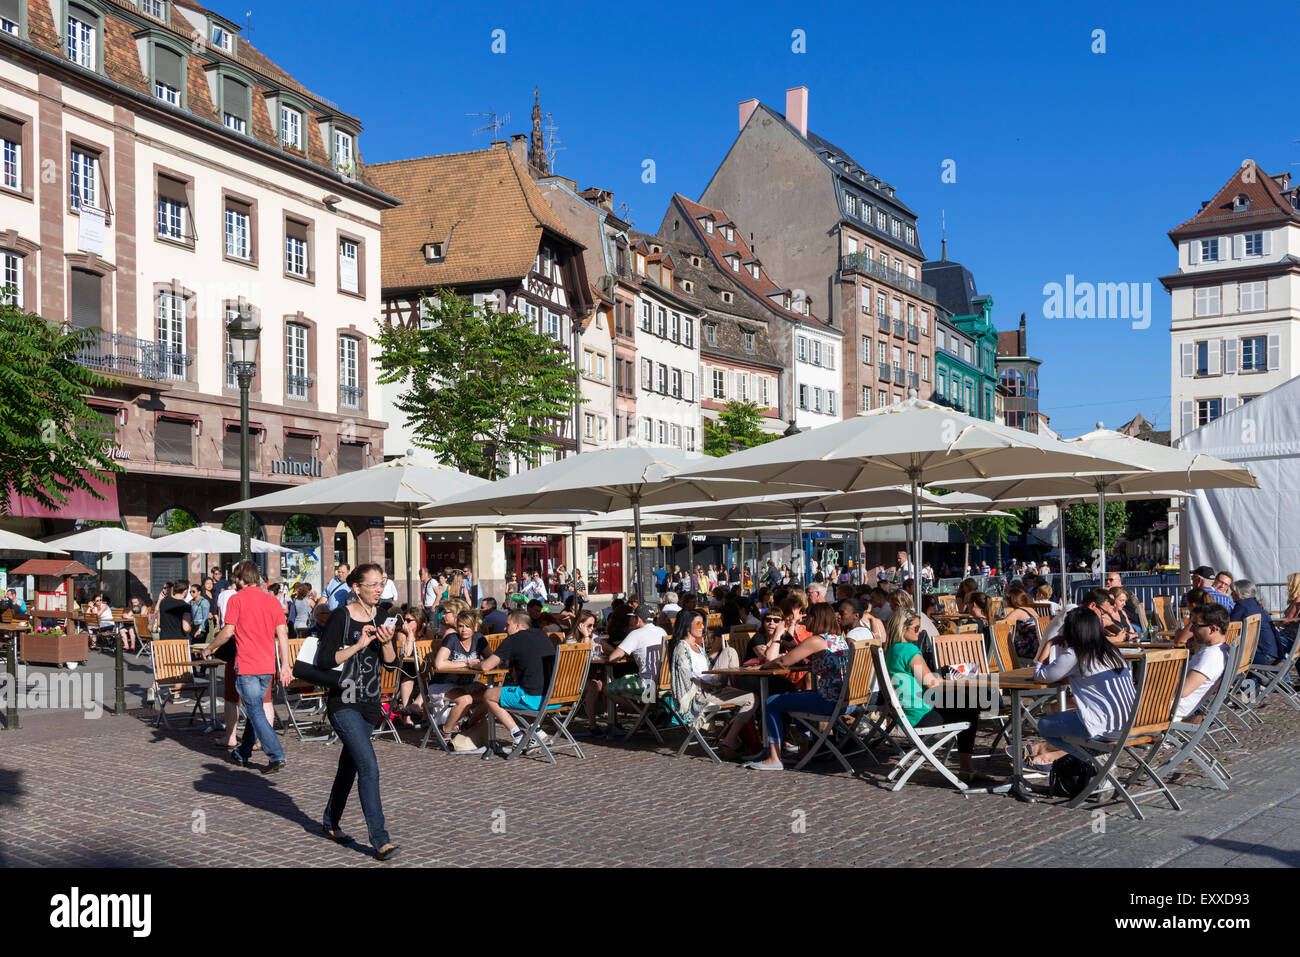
x: 492, y: 675
x: 611, y: 716
x: 763, y: 674
x: 1016, y: 682
x: 212, y: 664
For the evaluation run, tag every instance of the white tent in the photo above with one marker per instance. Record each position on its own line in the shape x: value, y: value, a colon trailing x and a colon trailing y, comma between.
x: 1253, y: 533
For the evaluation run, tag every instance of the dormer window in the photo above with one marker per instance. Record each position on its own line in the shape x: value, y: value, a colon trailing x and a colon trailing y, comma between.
x: 726, y: 297
x: 344, y: 151
x: 154, y: 8
x: 223, y: 39
x: 735, y: 263
x: 708, y: 225
x: 434, y: 252
x: 1242, y: 202
x: 81, y: 41
x: 753, y: 270
x: 290, y: 127
x: 730, y: 234
x: 688, y: 286
x: 787, y: 302
x: 168, y: 75
x: 640, y: 264
x: 235, y: 104
x: 695, y: 261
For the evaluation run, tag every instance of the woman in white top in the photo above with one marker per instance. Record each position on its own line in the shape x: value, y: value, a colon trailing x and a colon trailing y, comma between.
x: 1100, y: 681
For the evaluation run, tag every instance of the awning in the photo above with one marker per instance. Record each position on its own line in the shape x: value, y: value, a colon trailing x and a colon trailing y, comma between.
x: 81, y: 504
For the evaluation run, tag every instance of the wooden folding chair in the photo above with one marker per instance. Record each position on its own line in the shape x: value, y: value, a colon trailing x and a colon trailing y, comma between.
x: 1158, y: 679
x: 1237, y: 704
x: 1142, y: 617
x: 1274, y: 678
x: 559, y: 703
x: 948, y: 604
x: 919, y: 753
x: 996, y: 607
x: 1004, y: 651
x: 389, y: 681
x: 1187, y: 735
x: 739, y: 640
x: 1165, y: 611
x: 299, y: 692
x: 962, y: 647
x: 1043, y: 608
x: 494, y: 641
x: 858, y: 696
x: 173, y: 676
x: 650, y: 697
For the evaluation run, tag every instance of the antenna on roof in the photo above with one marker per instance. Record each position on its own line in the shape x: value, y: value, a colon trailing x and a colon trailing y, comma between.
x: 551, y: 140
x: 625, y: 213
x: 493, y: 124
x: 248, y: 25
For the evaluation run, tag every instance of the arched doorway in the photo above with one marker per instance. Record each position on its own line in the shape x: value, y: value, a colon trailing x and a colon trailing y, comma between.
x: 255, y: 530
x: 302, y: 534
x: 167, y: 567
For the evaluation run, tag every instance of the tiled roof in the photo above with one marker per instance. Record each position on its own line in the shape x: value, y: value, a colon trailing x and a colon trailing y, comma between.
x: 1266, y: 204
x: 718, y: 247
x: 707, y: 285
x: 482, y: 204
x: 121, y: 64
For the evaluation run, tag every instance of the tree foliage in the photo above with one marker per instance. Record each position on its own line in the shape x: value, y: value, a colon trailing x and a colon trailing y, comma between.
x: 49, y: 434
x: 739, y: 426
x: 1081, y: 526
x: 481, y: 386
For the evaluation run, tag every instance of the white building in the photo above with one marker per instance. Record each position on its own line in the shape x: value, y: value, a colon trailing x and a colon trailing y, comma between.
x: 668, y: 356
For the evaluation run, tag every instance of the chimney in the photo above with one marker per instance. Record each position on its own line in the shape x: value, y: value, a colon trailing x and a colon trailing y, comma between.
x: 519, y: 146
x: 747, y: 108
x: 796, y: 109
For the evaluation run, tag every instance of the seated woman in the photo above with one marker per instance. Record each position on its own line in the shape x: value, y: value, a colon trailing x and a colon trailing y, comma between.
x: 460, y: 647
x: 100, y: 611
x: 827, y: 652
x: 413, y: 628
x: 1044, y: 593
x: 1121, y: 617
x: 911, y: 676
x: 693, y: 690
x: 1100, y: 682
x: 1024, y: 623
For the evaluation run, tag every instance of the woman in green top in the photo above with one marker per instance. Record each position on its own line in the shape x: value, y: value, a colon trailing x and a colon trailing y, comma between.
x: 910, y: 677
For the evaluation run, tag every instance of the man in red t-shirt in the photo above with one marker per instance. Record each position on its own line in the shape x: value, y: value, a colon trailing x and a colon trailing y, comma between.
x: 255, y: 619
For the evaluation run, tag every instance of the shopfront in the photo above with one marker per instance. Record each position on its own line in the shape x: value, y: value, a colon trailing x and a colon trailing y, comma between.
x: 534, y: 553
x: 604, y: 569
x: 444, y: 550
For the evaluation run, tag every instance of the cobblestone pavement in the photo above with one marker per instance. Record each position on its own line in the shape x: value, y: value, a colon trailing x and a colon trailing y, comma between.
x: 116, y: 791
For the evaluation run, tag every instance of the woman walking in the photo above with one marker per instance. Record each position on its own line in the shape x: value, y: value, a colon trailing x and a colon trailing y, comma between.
x: 364, y: 647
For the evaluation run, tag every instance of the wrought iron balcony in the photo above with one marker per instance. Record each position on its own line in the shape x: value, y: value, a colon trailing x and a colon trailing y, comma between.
x: 297, y: 386
x: 898, y: 375
x: 913, y: 333
x: 883, y: 324
x: 111, y: 353
x: 883, y: 372
x: 863, y: 263
x: 914, y: 380
x: 350, y: 396
x: 900, y: 328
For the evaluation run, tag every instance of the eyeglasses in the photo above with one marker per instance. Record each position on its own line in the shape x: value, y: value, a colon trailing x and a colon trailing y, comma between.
x: 408, y: 619
x: 378, y: 584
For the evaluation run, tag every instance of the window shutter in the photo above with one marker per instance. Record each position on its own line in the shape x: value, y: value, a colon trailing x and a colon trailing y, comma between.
x: 167, y: 67
x: 1188, y: 416
x: 1229, y: 356
x: 1274, y: 350
x: 1268, y: 243
x: 1229, y: 403
x: 234, y: 98
x: 1194, y: 252
x: 1188, y: 359
x: 1239, y: 246
x: 1225, y: 247
x: 85, y: 300
x: 1214, y: 356
x: 688, y: 386
x: 645, y: 374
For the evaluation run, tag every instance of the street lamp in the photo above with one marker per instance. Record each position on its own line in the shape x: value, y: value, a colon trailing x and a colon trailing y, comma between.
x: 244, y: 333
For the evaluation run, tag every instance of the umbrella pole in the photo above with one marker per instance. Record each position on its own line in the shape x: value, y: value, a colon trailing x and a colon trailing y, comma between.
x: 573, y: 546
x: 1060, y: 547
x: 410, y: 586
x: 798, y: 534
x: 915, y: 476
x: 690, y: 552
x: 858, y: 550
x: 636, y: 524
x: 1101, y: 528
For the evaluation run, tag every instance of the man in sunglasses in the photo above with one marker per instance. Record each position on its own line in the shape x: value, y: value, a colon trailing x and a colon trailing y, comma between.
x: 1100, y: 603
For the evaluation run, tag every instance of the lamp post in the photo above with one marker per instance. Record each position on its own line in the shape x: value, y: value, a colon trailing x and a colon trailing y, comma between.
x: 244, y: 334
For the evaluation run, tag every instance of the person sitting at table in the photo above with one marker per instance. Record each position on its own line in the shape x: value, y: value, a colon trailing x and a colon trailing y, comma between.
x: 174, y: 613
x: 1120, y: 615
x: 1207, y: 666
x: 1043, y: 593
x: 911, y: 676
x: 1024, y: 623
x: 99, y: 619
x: 858, y: 623
x: 693, y: 690
x: 412, y: 629
x: 1101, y: 604
x: 670, y: 607
x: 827, y: 652
x: 465, y: 646
x: 535, y: 611
x: 1268, y: 650
x: 1100, y: 682
x: 530, y: 655
x: 643, y: 643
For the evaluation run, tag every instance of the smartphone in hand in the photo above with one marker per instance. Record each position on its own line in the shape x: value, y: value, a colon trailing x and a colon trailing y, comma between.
x: 391, y: 622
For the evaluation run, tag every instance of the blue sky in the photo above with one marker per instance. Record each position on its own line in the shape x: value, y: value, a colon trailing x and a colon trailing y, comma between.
x: 1067, y: 161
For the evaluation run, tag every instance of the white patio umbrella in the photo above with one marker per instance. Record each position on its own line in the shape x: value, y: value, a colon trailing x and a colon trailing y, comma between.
x: 1141, y: 467
x: 105, y: 540
x: 12, y: 541
x: 399, y: 487
x: 604, y: 480
x: 915, y: 440
x: 210, y: 540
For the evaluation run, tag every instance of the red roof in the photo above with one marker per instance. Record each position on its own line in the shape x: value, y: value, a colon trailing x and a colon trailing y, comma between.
x: 719, y: 247
x: 59, y: 567
x: 1265, y: 204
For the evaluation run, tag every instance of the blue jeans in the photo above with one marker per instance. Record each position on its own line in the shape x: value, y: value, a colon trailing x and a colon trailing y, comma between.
x: 356, y: 763
x: 1053, y: 727
x: 252, y: 688
x: 804, y: 701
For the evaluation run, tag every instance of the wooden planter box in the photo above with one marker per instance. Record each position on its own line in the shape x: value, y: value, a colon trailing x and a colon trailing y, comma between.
x: 53, y: 649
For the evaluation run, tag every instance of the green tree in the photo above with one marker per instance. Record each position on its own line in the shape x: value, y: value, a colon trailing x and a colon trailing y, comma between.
x: 49, y: 435
x: 980, y: 530
x: 179, y: 520
x: 738, y: 427
x: 481, y: 386
x: 1081, y: 526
